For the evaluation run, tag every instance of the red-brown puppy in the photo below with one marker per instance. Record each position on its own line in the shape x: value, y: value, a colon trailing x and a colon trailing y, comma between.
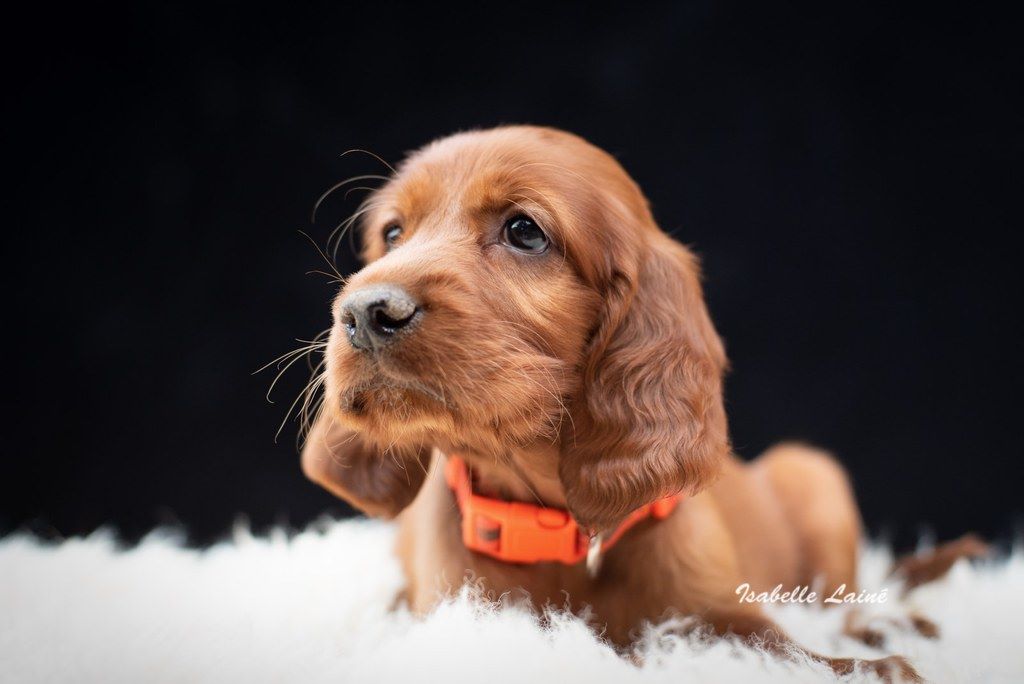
x: 521, y: 308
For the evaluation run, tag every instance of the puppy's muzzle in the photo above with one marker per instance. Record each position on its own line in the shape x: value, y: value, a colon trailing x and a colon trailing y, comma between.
x: 376, y: 316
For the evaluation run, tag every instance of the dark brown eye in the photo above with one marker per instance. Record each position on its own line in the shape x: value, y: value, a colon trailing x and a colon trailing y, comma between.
x: 525, y: 235
x: 391, y: 235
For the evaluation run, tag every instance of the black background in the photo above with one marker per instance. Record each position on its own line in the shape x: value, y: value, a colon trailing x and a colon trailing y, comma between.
x: 851, y: 177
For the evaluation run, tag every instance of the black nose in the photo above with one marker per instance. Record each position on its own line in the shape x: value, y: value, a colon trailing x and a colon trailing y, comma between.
x: 375, y: 315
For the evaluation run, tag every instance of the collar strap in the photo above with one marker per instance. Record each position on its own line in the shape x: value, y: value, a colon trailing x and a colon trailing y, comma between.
x: 517, y: 532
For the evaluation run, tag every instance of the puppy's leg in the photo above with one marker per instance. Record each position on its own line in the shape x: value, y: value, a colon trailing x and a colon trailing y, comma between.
x: 818, y: 502
x: 761, y: 631
x: 916, y: 570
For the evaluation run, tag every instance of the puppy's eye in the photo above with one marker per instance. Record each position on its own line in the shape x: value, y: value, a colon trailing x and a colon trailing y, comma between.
x: 522, y: 233
x: 391, y: 235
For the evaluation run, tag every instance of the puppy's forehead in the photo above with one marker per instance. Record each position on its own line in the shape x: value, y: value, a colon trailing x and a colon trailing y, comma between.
x: 485, y: 170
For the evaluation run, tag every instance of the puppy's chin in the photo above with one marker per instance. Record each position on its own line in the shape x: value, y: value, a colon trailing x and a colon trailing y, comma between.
x: 385, y: 409
x: 493, y: 406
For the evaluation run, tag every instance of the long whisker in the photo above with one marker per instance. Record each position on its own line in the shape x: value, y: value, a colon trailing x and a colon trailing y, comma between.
x: 301, y: 350
x: 306, y: 396
x: 288, y: 365
x: 389, y: 166
x: 311, y: 403
x: 312, y: 398
x: 339, y: 232
x: 318, y: 338
x: 313, y: 385
x: 303, y: 435
x: 330, y: 264
x: 331, y: 278
x: 327, y: 193
x: 358, y: 187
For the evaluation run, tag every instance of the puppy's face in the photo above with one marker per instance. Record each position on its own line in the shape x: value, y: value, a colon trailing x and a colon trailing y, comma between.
x: 470, y: 321
x: 517, y: 290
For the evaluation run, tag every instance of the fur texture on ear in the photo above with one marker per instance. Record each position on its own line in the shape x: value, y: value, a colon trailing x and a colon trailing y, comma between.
x: 380, y: 485
x: 650, y: 420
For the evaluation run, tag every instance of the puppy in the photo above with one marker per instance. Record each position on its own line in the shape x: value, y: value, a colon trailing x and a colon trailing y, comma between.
x: 526, y: 374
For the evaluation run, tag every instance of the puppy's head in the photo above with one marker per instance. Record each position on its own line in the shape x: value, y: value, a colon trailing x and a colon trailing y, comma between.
x: 517, y: 291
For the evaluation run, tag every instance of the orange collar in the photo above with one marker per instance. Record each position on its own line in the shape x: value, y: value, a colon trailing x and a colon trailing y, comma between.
x: 517, y: 532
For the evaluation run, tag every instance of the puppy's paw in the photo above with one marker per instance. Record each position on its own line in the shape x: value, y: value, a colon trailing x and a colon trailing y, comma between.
x: 855, y: 626
x: 924, y: 626
x: 891, y: 669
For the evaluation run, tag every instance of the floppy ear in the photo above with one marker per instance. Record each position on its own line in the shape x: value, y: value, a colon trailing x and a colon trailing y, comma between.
x: 378, y: 484
x: 649, y: 421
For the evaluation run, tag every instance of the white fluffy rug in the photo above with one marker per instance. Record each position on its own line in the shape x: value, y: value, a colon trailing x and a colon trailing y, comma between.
x: 316, y: 608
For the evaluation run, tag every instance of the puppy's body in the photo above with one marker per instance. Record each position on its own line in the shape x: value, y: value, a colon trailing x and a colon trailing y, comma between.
x: 522, y: 308
x: 737, y: 531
